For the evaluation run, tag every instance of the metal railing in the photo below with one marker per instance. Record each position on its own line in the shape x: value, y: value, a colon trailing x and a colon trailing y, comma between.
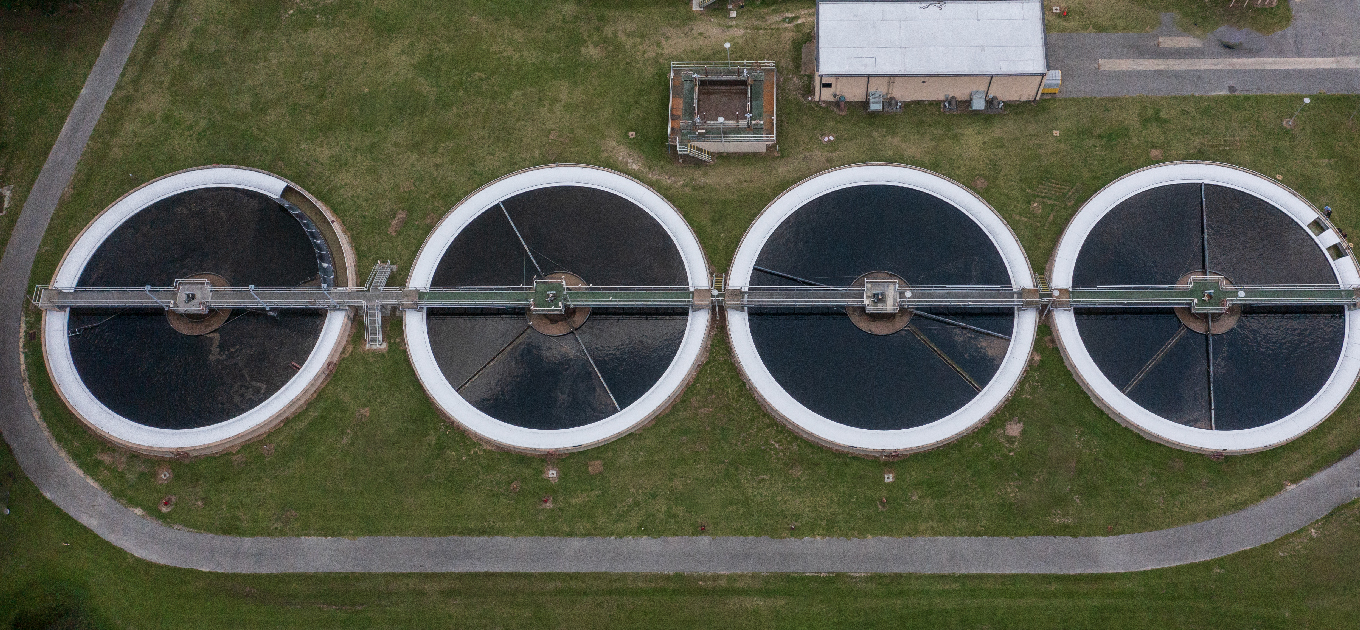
x: 907, y: 297
x: 1202, y: 295
x: 318, y: 298
x: 717, y: 68
x: 722, y: 134
x: 1206, y: 295
x: 744, y: 123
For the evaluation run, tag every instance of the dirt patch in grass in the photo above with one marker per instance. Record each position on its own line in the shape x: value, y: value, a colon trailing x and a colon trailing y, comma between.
x: 397, y: 222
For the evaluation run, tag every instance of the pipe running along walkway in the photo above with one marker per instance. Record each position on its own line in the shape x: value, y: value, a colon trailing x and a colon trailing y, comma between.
x: 67, y: 486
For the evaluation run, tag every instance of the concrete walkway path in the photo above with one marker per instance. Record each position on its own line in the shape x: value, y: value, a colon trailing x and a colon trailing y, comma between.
x: 1318, y: 52
x: 66, y: 486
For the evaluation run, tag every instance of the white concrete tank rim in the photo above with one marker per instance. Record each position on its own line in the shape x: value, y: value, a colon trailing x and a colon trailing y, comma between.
x: 60, y: 362
x: 1100, y: 388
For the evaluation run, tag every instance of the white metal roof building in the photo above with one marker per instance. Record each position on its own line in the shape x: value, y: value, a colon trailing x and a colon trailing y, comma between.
x: 914, y: 50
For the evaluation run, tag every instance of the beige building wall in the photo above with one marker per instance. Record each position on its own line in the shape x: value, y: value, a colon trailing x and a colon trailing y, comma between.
x: 882, y: 84
x: 937, y: 88
x: 852, y: 88
x: 1016, y: 88
x: 928, y: 88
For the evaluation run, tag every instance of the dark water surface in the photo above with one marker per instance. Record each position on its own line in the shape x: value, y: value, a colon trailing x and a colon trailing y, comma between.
x: 846, y: 233
x: 880, y: 382
x: 1176, y: 387
x: 1153, y: 237
x: 870, y: 381
x: 144, y: 370
x: 1273, y: 362
x: 1251, y: 242
x: 522, y: 377
x: 597, y: 235
x: 1264, y: 368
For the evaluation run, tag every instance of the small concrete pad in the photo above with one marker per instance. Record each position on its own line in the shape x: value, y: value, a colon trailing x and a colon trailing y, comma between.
x: 1179, y: 42
x: 880, y: 296
x: 1247, y: 63
x: 191, y: 295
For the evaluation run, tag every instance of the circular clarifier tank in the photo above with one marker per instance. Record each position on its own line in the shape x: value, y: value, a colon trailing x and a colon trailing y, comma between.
x: 1235, y: 380
x: 538, y: 382
x: 165, y: 383
x: 895, y: 381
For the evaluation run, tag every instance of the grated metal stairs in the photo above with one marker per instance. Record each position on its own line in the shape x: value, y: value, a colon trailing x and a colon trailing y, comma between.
x: 377, y: 280
x: 694, y: 152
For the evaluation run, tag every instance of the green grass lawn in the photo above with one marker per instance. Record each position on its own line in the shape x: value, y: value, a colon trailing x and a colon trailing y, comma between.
x: 43, y: 62
x: 379, y: 109
x: 54, y: 573
x: 393, y: 107
x: 1197, y: 17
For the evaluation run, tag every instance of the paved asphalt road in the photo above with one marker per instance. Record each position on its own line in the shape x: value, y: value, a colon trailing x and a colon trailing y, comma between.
x: 1320, y: 30
x: 62, y: 482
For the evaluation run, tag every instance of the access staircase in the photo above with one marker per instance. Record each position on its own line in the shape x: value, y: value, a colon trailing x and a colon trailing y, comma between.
x: 373, y: 324
x: 683, y: 150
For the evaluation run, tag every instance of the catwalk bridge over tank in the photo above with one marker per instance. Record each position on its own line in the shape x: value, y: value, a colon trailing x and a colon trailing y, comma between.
x: 1201, y: 294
